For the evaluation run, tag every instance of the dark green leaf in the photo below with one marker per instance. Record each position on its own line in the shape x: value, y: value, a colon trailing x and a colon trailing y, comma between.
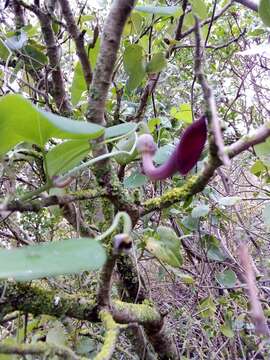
x: 35, y: 57
x: 119, y: 130
x: 78, y: 85
x: 134, y: 65
x: 199, y: 8
x: 215, y: 253
x: 22, y: 121
x: 65, y: 156
x: 72, y: 129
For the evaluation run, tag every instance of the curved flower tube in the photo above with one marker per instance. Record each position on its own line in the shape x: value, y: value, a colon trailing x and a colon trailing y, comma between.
x: 183, y: 158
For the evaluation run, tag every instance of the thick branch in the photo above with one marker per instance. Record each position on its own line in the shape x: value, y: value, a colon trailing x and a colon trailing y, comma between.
x: 38, y: 349
x: 37, y: 301
x: 105, y: 282
x: 53, y: 51
x: 110, y: 338
x: 19, y: 14
x: 37, y: 205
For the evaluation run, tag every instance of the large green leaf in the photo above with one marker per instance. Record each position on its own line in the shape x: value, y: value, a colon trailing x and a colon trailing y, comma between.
x: 157, y: 63
x: 213, y: 249
x: 78, y: 85
x: 160, y: 10
x: 93, y: 54
x: 34, y: 56
x: 134, y: 65
x: 51, y: 259
x: 264, y: 11
x: 119, y: 130
x: 199, y: 8
x: 65, y: 156
x: 22, y: 121
x: 227, y: 330
x: 165, y: 245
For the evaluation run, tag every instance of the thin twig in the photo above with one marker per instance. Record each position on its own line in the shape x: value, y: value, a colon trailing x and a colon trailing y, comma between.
x: 217, y: 147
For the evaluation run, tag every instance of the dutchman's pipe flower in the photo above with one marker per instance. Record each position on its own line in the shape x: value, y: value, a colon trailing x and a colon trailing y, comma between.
x: 183, y: 158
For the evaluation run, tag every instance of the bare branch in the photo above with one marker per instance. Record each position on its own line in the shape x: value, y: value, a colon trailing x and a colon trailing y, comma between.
x: 217, y: 145
x: 53, y: 51
x: 209, y: 20
x: 256, y: 310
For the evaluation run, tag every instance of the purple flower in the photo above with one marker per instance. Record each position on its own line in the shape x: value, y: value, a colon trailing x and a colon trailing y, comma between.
x: 183, y: 158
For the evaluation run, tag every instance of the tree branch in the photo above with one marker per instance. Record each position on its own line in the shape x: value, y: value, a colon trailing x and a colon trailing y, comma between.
x: 110, y: 338
x: 252, y: 5
x: 216, y: 141
x: 38, y: 349
x: 36, y: 300
x: 53, y: 51
x: 78, y: 38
